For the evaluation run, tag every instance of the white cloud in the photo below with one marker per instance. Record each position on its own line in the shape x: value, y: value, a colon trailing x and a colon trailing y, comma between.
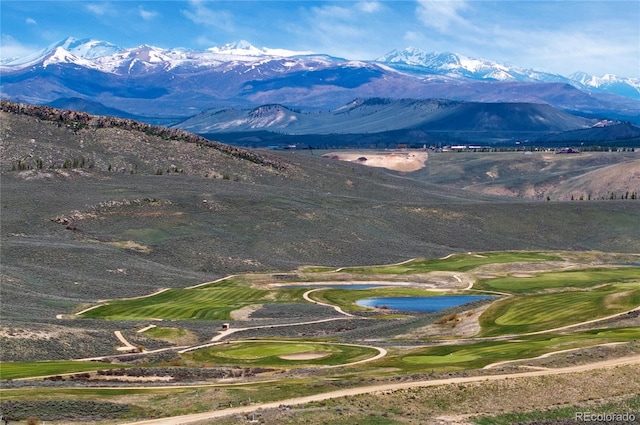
x: 332, y: 12
x: 99, y: 9
x: 12, y: 48
x: 568, y: 52
x: 412, y: 37
x: 200, y: 14
x: 369, y: 6
x: 31, y: 21
x: 441, y: 15
x: 147, y: 15
x: 345, y: 29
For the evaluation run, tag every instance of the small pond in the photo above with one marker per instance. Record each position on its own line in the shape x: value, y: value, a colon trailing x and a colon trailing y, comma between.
x: 424, y: 304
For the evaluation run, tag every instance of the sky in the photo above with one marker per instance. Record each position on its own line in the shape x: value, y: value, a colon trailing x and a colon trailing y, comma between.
x: 559, y: 36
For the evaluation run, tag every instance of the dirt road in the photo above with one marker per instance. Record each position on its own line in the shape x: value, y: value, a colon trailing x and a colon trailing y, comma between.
x: 335, y: 307
x: 185, y: 419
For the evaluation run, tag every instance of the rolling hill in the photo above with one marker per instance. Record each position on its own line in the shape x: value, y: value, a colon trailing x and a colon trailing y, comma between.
x: 375, y: 115
x: 95, y: 207
x: 387, y: 122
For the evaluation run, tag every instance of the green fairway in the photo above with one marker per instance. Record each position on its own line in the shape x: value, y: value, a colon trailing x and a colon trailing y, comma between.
x: 456, y: 262
x: 17, y: 370
x: 476, y: 355
x: 523, y: 314
x: 209, y: 302
x: 580, y: 279
x: 278, y: 354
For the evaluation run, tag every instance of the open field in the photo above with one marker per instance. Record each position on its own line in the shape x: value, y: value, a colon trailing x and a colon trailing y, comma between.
x: 540, y: 312
x: 279, y: 354
x: 402, y: 160
x: 137, y: 228
x: 480, y: 354
x: 527, y: 323
x: 16, y: 370
x: 576, y: 279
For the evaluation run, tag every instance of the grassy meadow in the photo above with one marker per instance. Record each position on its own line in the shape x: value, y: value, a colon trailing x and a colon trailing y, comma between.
x: 455, y: 262
x: 278, y: 354
x: 561, y: 280
x: 540, y: 312
x: 17, y: 370
x: 480, y: 354
x: 516, y: 327
x: 214, y: 301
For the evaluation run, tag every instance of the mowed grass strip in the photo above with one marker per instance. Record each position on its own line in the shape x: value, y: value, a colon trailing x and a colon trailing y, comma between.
x: 579, y: 279
x: 214, y: 301
x: 477, y: 355
x: 180, y: 304
x: 540, y: 312
x: 206, y: 303
x: 456, y: 262
x: 18, y: 370
x: 269, y: 354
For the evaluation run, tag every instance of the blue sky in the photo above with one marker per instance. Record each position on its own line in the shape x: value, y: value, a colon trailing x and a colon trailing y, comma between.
x: 559, y: 36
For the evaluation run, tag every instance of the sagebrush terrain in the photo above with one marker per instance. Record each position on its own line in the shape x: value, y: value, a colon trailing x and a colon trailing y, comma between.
x: 97, y: 211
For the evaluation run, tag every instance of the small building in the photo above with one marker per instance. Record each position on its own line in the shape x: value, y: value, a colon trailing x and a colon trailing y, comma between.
x: 567, y: 150
x: 225, y: 326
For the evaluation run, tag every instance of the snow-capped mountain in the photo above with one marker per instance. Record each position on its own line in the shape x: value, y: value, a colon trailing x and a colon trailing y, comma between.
x: 183, y: 82
x: 459, y: 66
x: 86, y: 49
x: 244, y: 48
x: 627, y: 87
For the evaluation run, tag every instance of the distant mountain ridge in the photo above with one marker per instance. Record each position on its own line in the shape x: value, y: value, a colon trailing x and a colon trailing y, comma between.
x: 184, y: 82
x: 374, y: 115
x: 388, y: 122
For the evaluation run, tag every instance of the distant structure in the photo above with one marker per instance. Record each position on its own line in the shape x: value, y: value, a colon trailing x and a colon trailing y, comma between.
x: 567, y: 150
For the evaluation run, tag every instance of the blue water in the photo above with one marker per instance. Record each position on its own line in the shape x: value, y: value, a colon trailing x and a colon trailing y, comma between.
x: 424, y: 304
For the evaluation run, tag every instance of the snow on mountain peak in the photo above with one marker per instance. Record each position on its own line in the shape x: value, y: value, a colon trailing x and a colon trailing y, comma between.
x: 244, y: 48
x: 62, y: 55
x: 89, y: 48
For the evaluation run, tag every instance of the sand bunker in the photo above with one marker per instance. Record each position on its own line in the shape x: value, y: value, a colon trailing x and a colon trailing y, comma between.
x: 304, y: 356
x: 404, y: 160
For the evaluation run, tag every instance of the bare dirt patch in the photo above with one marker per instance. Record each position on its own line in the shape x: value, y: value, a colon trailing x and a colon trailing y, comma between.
x: 613, y: 299
x: 519, y: 269
x: 405, y: 160
x: 127, y: 378
x: 464, y: 325
x: 244, y: 313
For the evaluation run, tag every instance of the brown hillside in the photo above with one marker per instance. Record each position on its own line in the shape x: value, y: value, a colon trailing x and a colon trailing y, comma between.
x: 615, y: 180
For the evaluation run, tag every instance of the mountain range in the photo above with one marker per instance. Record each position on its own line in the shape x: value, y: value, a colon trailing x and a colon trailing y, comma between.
x: 168, y: 85
x: 375, y: 115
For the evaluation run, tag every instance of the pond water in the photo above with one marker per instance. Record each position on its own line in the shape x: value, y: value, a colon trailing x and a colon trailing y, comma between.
x: 424, y: 304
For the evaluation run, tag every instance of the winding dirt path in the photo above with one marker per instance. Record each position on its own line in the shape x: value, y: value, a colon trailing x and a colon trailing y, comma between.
x: 223, y: 334
x: 335, y: 307
x: 127, y: 346
x: 185, y: 419
x: 600, y: 319
x: 545, y: 355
